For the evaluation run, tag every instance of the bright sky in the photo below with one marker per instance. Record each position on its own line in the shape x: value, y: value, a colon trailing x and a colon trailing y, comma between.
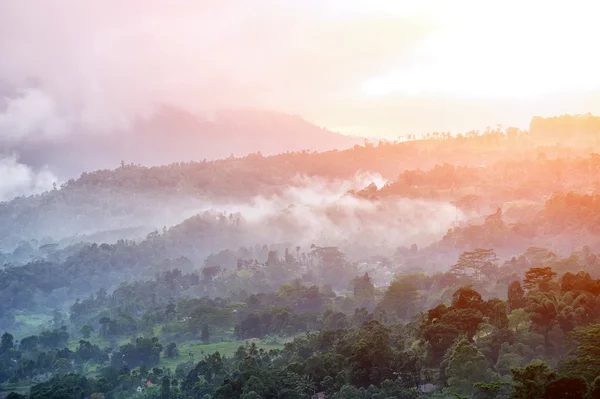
x: 515, y: 49
x: 371, y: 67
x: 536, y: 56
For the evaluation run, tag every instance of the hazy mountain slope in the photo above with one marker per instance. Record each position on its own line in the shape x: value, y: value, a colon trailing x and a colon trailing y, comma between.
x: 173, y: 135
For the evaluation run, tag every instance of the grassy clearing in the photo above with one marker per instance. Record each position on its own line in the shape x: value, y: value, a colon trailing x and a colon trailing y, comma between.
x: 199, y: 349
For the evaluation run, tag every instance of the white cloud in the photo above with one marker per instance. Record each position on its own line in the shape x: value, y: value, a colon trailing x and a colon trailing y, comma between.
x: 18, y: 179
x: 33, y: 111
x: 319, y: 211
x: 101, y: 64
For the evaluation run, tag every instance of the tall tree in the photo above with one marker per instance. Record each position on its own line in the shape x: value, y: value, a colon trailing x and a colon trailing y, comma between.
x: 205, y: 334
x: 86, y: 330
x: 586, y: 359
x: 401, y: 297
x: 516, y: 296
x: 104, y: 324
x: 466, y: 298
x: 538, y: 278
x: 473, y: 263
x: 530, y: 381
x: 363, y: 289
x: 466, y: 365
x: 566, y: 388
x: 6, y: 342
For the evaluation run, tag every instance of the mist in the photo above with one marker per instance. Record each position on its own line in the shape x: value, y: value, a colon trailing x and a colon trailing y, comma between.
x: 17, y: 179
x: 309, y: 210
x: 95, y: 84
x: 108, y: 63
x: 323, y: 212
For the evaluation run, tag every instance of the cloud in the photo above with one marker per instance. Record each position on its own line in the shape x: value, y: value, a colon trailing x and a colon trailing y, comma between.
x: 18, y: 179
x: 31, y: 112
x: 310, y: 210
x: 100, y: 65
x: 320, y: 211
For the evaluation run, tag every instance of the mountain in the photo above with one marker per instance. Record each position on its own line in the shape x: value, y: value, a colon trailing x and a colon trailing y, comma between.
x: 173, y: 135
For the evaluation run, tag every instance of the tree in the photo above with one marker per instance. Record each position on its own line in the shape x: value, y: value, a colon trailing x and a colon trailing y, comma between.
x: 595, y: 389
x: 530, y: 381
x: 579, y: 282
x: 273, y: 259
x: 62, y: 366
x: 333, y: 265
x: 56, y: 338
x: 210, y: 272
x: 364, y: 290
x: 536, y: 256
x: 586, y: 360
x: 70, y: 385
x: 165, y: 388
x: 516, y: 296
x: 371, y: 358
x: 170, y: 312
x: 472, y: 264
x: 289, y: 259
x: 566, y: 388
x: 171, y: 350
x: 466, y: 365
x: 544, y: 308
x: 401, y: 298
x: 146, y: 351
x: 538, y: 278
x: 6, y: 343
x: 104, y: 326
x: 29, y: 343
x: 466, y: 298
x: 86, y: 330
x: 349, y: 392
x: 444, y: 325
x: 519, y: 320
x: 58, y: 318
x: 465, y: 321
x: 254, y: 384
x: 205, y: 334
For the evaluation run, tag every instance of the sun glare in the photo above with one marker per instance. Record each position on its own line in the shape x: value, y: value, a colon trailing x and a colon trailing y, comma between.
x: 522, y: 52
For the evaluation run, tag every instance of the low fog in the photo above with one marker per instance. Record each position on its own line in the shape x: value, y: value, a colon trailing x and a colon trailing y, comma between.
x: 322, y: 212
x: 309, y: 211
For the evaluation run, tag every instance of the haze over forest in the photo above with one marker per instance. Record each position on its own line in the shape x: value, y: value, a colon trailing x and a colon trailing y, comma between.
x: 325, y: 199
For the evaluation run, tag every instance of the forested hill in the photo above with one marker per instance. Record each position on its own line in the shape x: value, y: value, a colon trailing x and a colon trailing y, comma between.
x: 439, y: 167
x: 446, y: 267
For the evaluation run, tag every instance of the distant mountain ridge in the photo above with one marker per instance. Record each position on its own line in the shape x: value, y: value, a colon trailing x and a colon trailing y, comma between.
x: 173, y: 135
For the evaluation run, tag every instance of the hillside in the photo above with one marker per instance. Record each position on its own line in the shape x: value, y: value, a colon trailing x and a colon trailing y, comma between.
x: 497, y: 167
x: 482, y: 246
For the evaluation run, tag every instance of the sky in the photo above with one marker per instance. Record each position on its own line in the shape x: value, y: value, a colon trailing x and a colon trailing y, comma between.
x: 375, y: 68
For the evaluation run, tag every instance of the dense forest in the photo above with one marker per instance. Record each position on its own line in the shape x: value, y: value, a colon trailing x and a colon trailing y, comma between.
x: 446, y: 266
